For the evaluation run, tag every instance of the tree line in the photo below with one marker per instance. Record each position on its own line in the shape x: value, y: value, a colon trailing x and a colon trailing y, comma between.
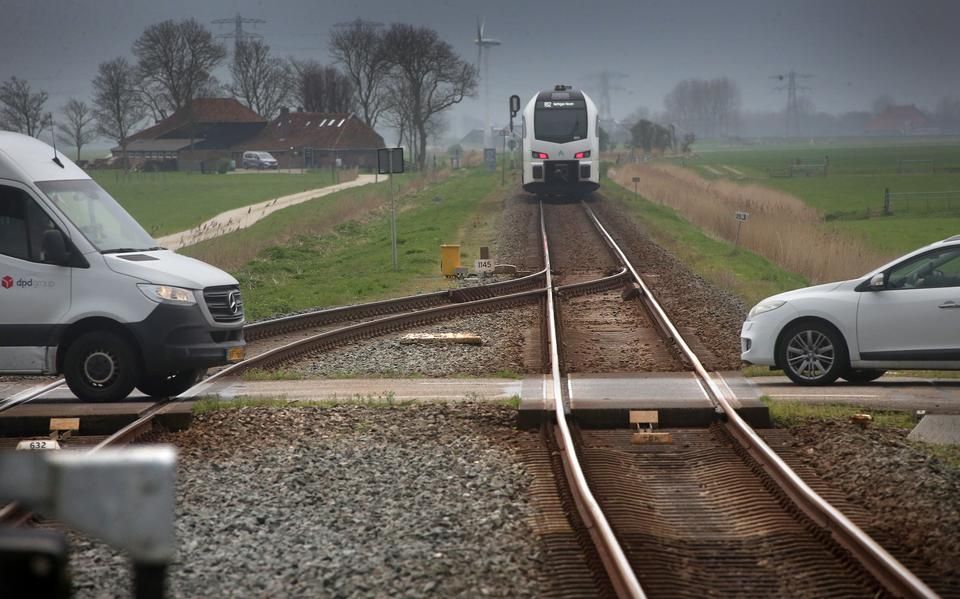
x: 403, y: 76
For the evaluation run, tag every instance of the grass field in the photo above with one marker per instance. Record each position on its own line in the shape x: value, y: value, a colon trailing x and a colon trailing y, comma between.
x: 166, y: 203
x: 749, y: 276
x: 336, y: 257
x: 852, y: 193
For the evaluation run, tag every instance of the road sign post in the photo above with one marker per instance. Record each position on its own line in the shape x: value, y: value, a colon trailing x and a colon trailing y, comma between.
x: 741, y: 218
x: 390, y: 162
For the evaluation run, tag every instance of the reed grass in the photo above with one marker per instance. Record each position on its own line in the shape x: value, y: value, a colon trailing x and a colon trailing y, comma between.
x: 781, y: 227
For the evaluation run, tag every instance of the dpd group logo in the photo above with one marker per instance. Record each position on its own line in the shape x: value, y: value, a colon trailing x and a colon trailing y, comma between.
x: 7, y: 282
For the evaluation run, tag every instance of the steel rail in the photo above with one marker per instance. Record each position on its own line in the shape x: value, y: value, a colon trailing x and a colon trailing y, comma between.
x: 323, y: 341
x: 29, y: 394
x: 596, y: 286
x: 294, y: 322
x: 614, y: 559
x: 884, y: 567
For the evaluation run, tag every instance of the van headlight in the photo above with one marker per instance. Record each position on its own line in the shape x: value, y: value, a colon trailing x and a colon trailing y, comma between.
x: 765, y: 306
x: 167, y: 294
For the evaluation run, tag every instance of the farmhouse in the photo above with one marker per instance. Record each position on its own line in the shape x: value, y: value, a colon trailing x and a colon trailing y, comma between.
x: 212, y: 130
x: 316, y: 139
x: 202, y: 132
x: 899, y: 120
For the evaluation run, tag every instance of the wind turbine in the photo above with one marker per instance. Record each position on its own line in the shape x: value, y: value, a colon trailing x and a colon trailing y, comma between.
x: 485, y: 43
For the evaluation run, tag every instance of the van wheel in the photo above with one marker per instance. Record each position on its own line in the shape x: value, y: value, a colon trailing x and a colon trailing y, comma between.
x: 101, y: 366
x: 170, y: 385
x: 812, y: 353
x: 862, y: 375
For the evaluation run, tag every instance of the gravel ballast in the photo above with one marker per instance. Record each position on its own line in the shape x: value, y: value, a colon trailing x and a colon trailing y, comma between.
x: 505, y: 337
x: 351, y: 501
x: 910, y: 495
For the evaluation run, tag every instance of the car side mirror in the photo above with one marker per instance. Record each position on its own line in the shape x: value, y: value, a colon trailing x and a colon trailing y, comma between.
x: 878, y: 281
x: 54, y: 248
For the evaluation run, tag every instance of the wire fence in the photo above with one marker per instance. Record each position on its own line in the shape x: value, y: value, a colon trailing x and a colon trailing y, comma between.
x: 920, y: 202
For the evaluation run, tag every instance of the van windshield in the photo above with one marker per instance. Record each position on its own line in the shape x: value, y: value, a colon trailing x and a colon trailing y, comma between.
x: 105, y: 224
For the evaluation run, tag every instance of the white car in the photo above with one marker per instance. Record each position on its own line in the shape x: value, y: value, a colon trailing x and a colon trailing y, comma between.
x: 904, y: 315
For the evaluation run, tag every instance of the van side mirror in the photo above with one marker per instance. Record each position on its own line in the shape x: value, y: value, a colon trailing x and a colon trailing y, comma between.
x: 54, y: 248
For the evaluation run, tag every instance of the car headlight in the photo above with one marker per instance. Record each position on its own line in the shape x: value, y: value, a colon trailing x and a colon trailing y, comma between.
x: 765, y: 306
x: 167, y: 294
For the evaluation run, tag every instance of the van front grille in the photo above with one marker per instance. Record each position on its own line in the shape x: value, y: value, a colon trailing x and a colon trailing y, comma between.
x: 224, y: 303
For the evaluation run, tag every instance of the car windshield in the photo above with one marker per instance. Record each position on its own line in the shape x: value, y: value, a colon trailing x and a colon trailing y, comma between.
x: 105, y: 224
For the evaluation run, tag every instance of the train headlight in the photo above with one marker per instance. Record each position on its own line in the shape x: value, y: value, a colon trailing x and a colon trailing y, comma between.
x: 540, y: 155
x: 580, y: 155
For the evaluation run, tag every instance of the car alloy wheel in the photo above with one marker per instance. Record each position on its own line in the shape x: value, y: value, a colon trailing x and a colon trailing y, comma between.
x: 813, y: 354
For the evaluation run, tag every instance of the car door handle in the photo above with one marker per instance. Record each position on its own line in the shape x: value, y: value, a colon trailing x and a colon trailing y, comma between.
x: 949, y: 305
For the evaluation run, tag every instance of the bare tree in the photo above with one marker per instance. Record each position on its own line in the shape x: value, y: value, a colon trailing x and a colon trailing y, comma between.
x: 21, y: 109
x: 431, y: 78
x: 707, y: 107
x: 358, y: 48
x: 175, y: 61
x: 318, y: 87
x: 77, y: 130
x: 639, y: 113
x: 259, y: 80
x: 396, y: 112
x: 116, y: 101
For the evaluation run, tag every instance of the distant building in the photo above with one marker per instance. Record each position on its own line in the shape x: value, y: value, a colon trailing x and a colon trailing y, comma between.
x: 900, y: 120
x: 472, y: 140
x: 211, y: 130
x: 202, y: 132
x: 315, y: 140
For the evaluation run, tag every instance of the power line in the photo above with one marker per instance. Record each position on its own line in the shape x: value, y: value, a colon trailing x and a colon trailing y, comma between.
x: 793, y: 105
x: 239, y: 35
x: 606, y: 80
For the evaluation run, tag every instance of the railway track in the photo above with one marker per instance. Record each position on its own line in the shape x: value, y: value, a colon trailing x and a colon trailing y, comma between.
x: 627, y: 520
x: 718, y: 511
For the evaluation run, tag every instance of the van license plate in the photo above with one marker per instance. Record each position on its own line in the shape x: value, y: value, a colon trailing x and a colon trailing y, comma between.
x: 235, y: 354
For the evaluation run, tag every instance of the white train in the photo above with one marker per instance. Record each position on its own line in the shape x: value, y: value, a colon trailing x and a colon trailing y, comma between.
x: 561, y: 143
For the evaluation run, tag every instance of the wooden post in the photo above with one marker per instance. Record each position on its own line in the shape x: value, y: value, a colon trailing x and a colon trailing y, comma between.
x: 887, y: 208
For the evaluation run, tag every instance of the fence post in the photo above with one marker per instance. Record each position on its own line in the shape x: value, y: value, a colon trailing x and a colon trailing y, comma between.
x: 887, y: 208
x: 826, y: 165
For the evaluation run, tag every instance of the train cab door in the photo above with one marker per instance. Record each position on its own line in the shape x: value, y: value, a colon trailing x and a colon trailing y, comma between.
x: 34, y: 294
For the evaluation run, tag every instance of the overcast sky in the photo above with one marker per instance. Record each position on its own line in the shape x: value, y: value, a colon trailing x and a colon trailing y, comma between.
x: 856, y: 49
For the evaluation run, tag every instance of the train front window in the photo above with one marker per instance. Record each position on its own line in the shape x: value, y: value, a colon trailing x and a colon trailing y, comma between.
x: 560, y: 125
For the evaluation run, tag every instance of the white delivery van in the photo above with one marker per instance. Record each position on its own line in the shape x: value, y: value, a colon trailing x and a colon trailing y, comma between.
x: 86, y: 292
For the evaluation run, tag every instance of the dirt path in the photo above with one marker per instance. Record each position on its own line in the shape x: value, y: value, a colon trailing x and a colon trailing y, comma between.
x: 734, y: 171
x: 245, y: 216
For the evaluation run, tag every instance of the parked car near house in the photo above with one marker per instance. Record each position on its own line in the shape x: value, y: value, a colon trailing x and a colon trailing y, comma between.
x: 903, y: 315
x: 260, y: 160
